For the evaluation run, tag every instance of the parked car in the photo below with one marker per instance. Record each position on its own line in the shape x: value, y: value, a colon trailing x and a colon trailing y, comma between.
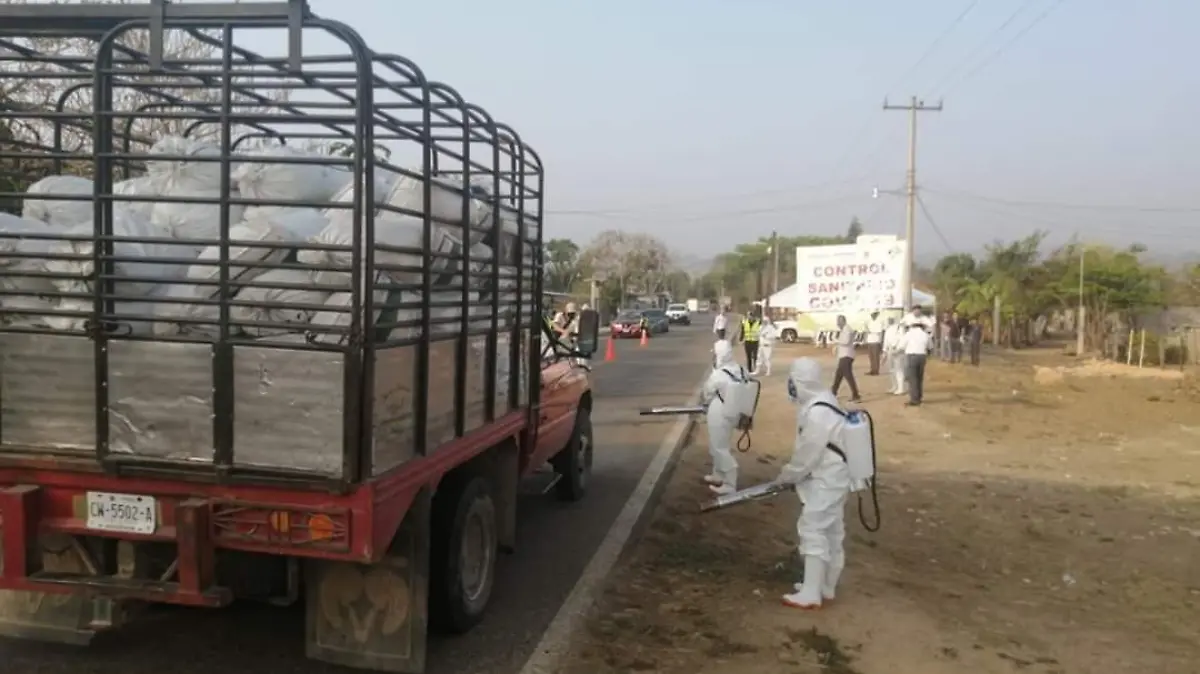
x: 659, y: 323
x: 679, y: 313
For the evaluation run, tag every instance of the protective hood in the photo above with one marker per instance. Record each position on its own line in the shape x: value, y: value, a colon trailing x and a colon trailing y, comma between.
x: 805, y: 381
x: 722, y: 354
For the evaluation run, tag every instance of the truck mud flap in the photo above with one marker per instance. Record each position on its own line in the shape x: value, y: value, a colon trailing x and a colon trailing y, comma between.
x: 374, y: 616
x: 45, y: 616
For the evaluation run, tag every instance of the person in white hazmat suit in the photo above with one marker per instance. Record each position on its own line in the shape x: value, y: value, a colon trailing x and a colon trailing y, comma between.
x: 722, y: 418
x: 893, y: 353
x: 822, y: 480
x: 766, y: 345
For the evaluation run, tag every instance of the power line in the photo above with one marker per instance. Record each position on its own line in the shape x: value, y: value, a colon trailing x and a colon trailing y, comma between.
x: 933, y: 223
x: 711, y: 215
x: 660, y: 206
x: 938, y: 41
x: 980, y: 47
x: 1004, y: 47
x: 896, y: 81
x: 1064, y: 205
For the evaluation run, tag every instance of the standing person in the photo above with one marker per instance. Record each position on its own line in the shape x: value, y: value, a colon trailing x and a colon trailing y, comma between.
x: 893, y: 353
x: 916, y: 353
x: 720, y: 322
x: 974, y: 339
x: 766, y: 344
x: 749, y: 334
x: 726, y: 372
x: 955, y: 331
x: 875, y: 329
x: 822, y: 481
x: 844, y: 351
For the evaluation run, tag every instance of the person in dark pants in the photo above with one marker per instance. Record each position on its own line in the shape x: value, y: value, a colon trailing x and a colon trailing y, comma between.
x: 916, y: 353
x: 875, y: 329
x: 955, y: 330
x: 844, y: 350
x: 974, y: 339
x: 751, y: 327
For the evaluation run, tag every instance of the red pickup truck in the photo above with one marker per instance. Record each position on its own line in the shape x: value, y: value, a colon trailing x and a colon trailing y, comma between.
x: 185, y: 433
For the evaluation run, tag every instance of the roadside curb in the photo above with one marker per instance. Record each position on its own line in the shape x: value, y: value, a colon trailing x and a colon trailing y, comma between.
x: 556, y: 641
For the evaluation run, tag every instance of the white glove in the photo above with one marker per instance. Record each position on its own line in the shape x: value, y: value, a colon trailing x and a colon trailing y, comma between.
x: 790, y: 475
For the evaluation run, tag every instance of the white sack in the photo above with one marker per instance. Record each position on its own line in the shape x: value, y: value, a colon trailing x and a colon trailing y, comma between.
x: 14, y: 227
x: 245, y: 231
x: 57, y: 211
x: 301, y: 224
x: 82, y: 269
x: 146, y: 186
x: 288, y: 182
x: 332, y: 318
x: 186, y: 220
x: 168, y: 314
x: 282, y: 314
x: 198, y: 174
x: 446, y: 202
x: 391, y: 230
x: 121, y: 309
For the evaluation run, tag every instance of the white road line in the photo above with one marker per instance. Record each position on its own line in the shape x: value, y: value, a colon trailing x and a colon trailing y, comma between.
x: 556, y: 641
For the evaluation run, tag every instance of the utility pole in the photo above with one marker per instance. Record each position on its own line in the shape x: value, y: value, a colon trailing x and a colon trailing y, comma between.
x: 1080, y: 344
x: 910, y: 222
x: 775, y: 252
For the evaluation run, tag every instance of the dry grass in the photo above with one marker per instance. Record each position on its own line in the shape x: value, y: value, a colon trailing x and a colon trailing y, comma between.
x: 1027, y: 528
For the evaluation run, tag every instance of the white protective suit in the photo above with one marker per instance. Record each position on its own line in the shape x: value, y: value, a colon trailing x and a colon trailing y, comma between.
x: 726, y: 371
x: 893, y: 349
x: 822, y: 482
x: 766, y: 345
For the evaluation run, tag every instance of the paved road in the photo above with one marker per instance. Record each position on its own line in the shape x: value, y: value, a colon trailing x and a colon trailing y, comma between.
x: 555, y: 543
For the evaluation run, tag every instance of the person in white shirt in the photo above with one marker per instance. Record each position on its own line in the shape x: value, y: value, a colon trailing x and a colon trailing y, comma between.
x: 844, y: 351
x: 720, y: 323
x: 767, y: 335
x: 893, y: 354
x: 916, y: 351
x: 875, y: 328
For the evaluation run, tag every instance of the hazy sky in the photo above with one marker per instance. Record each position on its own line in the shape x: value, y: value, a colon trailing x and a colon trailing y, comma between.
x: 712, y: 122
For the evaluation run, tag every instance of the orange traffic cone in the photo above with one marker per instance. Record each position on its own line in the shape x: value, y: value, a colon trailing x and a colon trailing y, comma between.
x: 645, y: 337
x: 610, y: 353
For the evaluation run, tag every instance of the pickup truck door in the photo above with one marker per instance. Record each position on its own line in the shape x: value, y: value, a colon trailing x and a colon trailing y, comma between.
x: 563, y: 383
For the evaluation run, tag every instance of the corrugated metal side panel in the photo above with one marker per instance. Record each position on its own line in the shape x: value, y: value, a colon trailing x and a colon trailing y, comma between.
x: 47, y: 392
x: 288, y: 409
x: 161, y: 400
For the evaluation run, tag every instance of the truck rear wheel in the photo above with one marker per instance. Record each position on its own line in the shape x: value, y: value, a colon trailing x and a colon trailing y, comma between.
x: 465, y: 544
x: 790, y: 336
x: 574, y: 463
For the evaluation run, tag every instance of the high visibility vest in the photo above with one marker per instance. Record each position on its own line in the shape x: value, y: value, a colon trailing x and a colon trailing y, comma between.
x: 750, y: 330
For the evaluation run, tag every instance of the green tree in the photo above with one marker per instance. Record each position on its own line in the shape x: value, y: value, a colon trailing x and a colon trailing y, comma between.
x: 562, y: 270
x: 854, y: 231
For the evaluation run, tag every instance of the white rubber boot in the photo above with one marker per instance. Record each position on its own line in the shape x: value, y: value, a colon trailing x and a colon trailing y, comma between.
x: 808, y: 597
x: 833, y: 573
x: 728, y: 483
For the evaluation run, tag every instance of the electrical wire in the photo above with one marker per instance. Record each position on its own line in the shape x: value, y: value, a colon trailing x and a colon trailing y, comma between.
x: 1004, y: 47
x: 1064, y: 205
x: 658, y: 206
x: 980, y: 47
x: 712, y: 215
x: 938, y: 40
x: 933, y: 223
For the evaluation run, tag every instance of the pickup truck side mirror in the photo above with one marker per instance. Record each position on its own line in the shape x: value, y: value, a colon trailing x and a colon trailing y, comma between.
x: 589, y: 333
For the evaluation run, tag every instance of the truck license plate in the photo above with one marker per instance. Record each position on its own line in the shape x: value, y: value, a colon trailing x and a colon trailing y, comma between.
x: 124, y: 513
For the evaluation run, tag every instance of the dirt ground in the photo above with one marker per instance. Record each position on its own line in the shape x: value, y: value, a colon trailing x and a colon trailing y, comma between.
x: 1037, y: 518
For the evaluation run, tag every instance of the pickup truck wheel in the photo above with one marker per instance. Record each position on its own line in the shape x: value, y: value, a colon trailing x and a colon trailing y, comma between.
x: 789, y: 336
x: 574, y: 462
x: 463, y: 569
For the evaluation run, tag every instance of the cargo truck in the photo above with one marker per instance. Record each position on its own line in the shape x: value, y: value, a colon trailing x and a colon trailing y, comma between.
x: 213, y: 388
